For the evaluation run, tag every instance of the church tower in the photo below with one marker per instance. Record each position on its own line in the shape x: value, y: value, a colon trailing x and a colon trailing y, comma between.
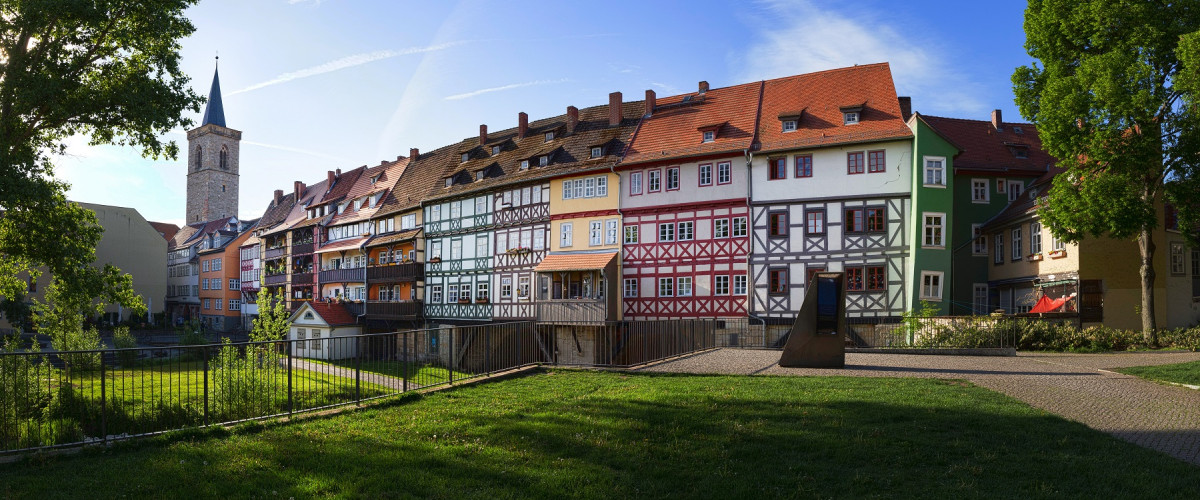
x: 212, y: 179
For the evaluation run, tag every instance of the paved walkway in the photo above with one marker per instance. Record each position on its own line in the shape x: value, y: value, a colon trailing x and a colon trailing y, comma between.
x: 1080, y: 387
x: 337, y: 371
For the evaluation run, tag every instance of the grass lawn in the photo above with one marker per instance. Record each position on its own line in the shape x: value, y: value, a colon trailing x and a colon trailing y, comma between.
x: 1180, y: 373
x: 610, y: 435
x: 419, y: 373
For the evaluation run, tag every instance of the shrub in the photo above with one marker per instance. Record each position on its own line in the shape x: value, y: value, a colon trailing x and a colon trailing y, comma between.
x: 1181, y: 338
x: 122, y: 339
x: 22, y: 395
x: 246, y: 384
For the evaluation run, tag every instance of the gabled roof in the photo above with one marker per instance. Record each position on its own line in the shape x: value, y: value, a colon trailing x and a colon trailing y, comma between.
x: 342, y: 184
x: 575, y: 262
x: 388, y: 239
x: 214, y: 112
x: 332, y: 314
x: 987, y: 149
x: 673, y: 129
x: 297, y: 213
x: 166, y: 229
x: 819, y: 98
x: 385, y: 176
x: 571, y: 151
x: 1024, y: 205
x: 420, y: 174
x: 181, y: 237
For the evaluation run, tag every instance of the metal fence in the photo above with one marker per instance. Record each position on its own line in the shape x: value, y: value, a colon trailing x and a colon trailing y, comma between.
x: 52, y: 399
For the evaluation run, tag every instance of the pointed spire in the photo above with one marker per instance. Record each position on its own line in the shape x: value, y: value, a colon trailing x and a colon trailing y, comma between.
x: 214, y: 113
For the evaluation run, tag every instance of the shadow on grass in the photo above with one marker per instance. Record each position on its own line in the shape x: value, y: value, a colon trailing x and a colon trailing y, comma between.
x: 612, y: 435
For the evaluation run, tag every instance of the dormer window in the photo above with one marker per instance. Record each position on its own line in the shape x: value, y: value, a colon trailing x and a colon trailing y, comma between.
x: 1018, y: 150
x: 465, y: 157
x: 495, y: 150
x: 374, y: 180
x: 1018, y: 130
x: 789, y: 125
x: 708, y: 133
x: 449, y: 181
x: 543, y: 160
x: 709, y: 136
x: 597, y: 151
x: 524, y: 164
x: 850, y: 118
x: 479, y: 175
x: 549, y: 136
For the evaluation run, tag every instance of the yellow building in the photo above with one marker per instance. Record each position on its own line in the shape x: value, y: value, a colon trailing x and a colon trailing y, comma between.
x: 578, y: 278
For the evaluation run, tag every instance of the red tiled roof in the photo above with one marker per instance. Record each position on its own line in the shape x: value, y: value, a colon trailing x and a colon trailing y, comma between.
x: 387, y: 174
x: 575, y: 262
x: 349, y: 244
x: 673, y: 129
x: 166, y: 229
x: 395, y: 237
x: 333, y: 314
x: 821, y: 96
x: 987, y: 149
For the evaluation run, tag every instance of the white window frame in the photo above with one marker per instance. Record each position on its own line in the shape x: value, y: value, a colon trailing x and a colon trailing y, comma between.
x: 740, y: 227
x: 789, y: 126
x: 932, y: 281
x: 666, y: 287
x: 1035, y: 238
x: 850, y: 117
x: 1015, y: 188
x: 683, y: 286
x: 543, y: 160
x: 981, y: 191
x: 595, y: 233
x: 978, y: 306
x: 940, y: 181
x: 1015, y: 242
x: 708, y: 136
x: 635, y: 183
x: 724, y: 175
x: 631, y: 234
x: 629, y: 287
x: 978, y: 240
x: 721, y: 284
x: 435, y: 294
x: 611, y: 227
x: 933, y: 235
x: 739, y: 284
x: 686, y: 231
x: 705, y: 174
x: 666, y: 232
x: 721, y: 228
x: 998, y: 248
x: 565, y: 229
x: 597, y: 151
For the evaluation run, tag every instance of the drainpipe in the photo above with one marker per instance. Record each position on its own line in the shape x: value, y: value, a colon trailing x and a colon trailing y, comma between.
x: 749, y: 231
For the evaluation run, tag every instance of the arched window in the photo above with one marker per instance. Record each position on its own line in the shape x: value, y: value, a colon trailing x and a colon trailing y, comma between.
x: 199, y: 158
x: 224, y: 158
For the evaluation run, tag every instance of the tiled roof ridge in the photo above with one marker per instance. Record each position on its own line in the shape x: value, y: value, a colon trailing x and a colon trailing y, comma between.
x: 856, y: 67
x: 1006, y: 122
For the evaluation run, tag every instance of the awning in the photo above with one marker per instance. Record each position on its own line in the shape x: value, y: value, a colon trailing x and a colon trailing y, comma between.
x: 575, y: 262
x: 1056, y: 283
x: 338, y: 246
x: 1046, y: 304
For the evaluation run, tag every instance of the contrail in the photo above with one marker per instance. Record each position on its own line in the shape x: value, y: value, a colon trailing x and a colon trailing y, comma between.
x: 474, y: 93
x: 347, y: 62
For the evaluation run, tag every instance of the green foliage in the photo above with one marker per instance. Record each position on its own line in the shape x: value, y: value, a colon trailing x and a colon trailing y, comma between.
x: 272, y: 321
x: 23, y: 395
x: 191, y: 333
x: 17, y: 311
x: 122, y: 339
x: 247, y: 382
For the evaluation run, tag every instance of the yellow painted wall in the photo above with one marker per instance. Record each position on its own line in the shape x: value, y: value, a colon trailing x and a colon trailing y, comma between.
x: 580, y: 232
x: 560, y: 206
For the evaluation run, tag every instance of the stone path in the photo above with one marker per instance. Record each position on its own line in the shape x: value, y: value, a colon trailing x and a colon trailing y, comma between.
x: 1080, y: 387
x: 337, y: 371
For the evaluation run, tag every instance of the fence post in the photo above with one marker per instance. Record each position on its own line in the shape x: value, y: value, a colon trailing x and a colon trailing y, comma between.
x: 450, y: 364
x: 204, y: 356
x: 103, y: 402
x: 290, y: 342
x: 487, y: 352
x: 357, y: 374
x: 404, y: 360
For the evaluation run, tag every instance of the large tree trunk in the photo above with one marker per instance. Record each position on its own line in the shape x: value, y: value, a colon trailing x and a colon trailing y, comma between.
x: 1146, y: 248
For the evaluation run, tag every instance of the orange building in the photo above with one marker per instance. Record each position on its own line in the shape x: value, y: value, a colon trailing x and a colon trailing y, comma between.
x: 220, y: 283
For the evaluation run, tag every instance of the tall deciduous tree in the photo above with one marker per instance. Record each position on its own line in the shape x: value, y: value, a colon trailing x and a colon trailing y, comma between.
x: 272, y: 321
x: 105, y: 69
x: 1115, y: 100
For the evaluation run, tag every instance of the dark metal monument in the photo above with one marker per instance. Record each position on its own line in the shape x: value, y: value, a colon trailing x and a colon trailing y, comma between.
x: 818, y: 337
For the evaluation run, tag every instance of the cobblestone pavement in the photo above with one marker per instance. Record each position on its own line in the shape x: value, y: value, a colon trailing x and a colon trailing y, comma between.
x: 1080, y: 387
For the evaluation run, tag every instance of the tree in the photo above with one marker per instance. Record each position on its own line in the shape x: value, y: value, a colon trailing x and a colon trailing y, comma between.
x: 272, y: 321
x: 1115, y: 100
x: 106, y: 69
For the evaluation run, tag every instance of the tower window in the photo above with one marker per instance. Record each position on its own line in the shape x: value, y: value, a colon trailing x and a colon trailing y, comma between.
x: 222, y: 188
x: 199, y: 158
x: 224, y: 158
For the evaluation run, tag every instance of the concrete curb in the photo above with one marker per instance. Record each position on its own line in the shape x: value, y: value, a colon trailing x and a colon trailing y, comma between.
x: 966, y: 351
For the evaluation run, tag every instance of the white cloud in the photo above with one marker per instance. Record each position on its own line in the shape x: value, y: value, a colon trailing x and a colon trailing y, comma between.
x: 347, y: 62
x: 297, y: 150
x: 808, y: 38
x: 669, y: 89
x: 474, y: 93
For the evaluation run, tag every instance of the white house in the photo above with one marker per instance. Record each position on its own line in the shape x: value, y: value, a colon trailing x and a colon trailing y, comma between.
x: 320, y: 328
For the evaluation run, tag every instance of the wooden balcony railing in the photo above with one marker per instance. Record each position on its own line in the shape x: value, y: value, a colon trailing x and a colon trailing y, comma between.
x: 412, y: 271
x: 393, y: 310
x: 571, y: 310
x: 354, y: 275
x: 274, y: 253
x: 302, y: 279
x: 277, y: 279
x: 302, y: 248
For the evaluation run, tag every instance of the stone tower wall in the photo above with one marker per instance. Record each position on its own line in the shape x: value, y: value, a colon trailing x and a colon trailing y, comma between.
x: 212, y: 192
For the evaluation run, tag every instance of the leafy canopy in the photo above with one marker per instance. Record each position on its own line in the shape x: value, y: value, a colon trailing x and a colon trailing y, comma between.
x: 106, y: 69
x: 1114, y: 99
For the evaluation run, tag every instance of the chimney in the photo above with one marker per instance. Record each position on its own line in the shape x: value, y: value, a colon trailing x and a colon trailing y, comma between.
x: 905, y: 107
x: 331, y: 177
x: 298, y: 188
x: 483, y: 134
x: 997, y: 121
x: 383, y: 162
x: 703, y: 87
x: 572, y: 119
x: 650, y: 99
x: 399, y: 157
x: 413, y: 154
x: 522, y: 125
x: 614, y: 109
x: 278, y: 196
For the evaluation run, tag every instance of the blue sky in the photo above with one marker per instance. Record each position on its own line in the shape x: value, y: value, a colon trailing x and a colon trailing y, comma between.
x: 318, y: 85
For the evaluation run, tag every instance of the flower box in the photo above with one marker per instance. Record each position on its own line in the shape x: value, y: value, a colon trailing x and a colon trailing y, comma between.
x: 435, y: 260
x: 464, y: 301
x: 1034, y: 257
x: 481, y: 301
x: 1058, y: 254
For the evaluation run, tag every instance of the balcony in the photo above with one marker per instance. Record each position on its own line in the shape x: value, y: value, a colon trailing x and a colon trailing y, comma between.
x: 274, y: 253
x: 394, y: 310
x: 278, y: 279
x: 302, y: 248
x: 353, y: 275
x: 302, y: 279
x: 572, y: 310
x: 412, y: 271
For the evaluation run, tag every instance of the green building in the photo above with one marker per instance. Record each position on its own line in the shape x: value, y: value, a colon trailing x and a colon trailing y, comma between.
x: 932, y: 225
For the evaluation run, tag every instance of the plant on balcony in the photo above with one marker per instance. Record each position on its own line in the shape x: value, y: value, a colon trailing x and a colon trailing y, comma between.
x: 464, y: 301
x: 1034, y: 257
x: 1058, y: 254
x: 435, y: 260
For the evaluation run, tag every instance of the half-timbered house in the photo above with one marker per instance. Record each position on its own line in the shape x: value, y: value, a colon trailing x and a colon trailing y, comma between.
x: 830, y: 191
x: 684, y: 202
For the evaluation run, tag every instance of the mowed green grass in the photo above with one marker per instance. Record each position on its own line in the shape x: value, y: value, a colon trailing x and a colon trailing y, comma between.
x: 418, y: 373
x: 611, y: 435
x: 1179, y: 373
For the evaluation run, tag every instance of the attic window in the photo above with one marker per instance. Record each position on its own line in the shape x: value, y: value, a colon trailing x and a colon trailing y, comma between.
x: 543, y: 160
x: 495, y: 150
x: 479, y: 175
x: 597, y: 151
x: 1018, y: 130
x: 465, y: 157
x: 709, y: 136
x: 850, y: 117
x: 449, y: 181
x: 549, y: 136
x: 1021, y: 152
x: 308, y: 315
x: 524, y: 164
x: 374, y: 180
x: 789, y: 125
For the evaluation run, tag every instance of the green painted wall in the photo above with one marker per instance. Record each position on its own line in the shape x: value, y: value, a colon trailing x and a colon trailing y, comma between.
x: 927, y: 199
x: 970, y: 269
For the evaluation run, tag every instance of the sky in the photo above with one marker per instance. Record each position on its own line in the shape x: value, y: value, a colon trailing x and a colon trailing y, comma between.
x: 317, y: 85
